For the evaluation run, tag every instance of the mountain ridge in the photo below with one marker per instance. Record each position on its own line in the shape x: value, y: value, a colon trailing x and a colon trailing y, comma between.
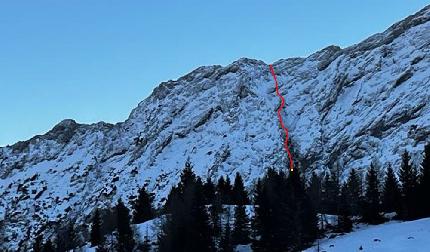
x: 345, y: 108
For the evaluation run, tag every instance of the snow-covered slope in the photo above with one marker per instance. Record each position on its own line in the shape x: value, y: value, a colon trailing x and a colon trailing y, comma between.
x: 394, y: 237
x: 345, y: 107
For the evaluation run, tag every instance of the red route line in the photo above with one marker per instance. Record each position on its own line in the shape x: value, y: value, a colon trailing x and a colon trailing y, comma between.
x: 272, y: 71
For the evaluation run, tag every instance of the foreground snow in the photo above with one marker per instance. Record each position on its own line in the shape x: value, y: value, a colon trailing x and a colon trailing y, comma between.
x: 413, y: 236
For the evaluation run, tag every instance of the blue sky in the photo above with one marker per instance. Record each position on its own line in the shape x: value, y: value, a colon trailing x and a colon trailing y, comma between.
x: 95, y: 60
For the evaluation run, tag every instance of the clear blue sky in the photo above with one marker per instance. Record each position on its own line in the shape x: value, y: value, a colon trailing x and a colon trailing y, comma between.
x: 95, y: 60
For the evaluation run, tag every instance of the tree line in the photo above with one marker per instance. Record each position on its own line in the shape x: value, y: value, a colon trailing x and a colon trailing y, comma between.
x: 114, y: 222
x: 403, y: 193
x: 284, y: 218
x: 278, y: 214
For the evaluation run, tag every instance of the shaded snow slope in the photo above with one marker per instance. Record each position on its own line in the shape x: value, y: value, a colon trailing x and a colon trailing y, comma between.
x: 345, y: 107
x: 412, y: 236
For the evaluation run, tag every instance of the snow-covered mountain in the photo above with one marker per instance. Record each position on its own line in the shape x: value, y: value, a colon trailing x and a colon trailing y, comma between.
x: 345, y: 108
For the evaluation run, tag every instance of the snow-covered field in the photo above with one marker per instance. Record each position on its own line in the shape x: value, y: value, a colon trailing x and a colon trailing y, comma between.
x: 412, y: 236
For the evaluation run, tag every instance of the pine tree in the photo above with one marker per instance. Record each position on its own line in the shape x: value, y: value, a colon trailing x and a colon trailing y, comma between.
x: 124, y: 231
x: 354, y: 194
x: 371, y: 211
x: 256, y: 227
x: 187, y: 179
x: 409, y: 185
x: 241, y: 227
x: 70, y: 239
x: 60, y: 244
x: 209, y: 191
x: 224, y: 190
x: 314, y: 191
x: 228, y: 187
x: 200, y: 225
x: 173, y: 195
x: 48, y: 246
x: 330, y: 194
x: 215, y: 211
x: 187, y: 227
x: 108, y: 221
x: 227, y: 192
x: 143, y: 207
x: 306, y: 222
x: 344, y: 222
x: 425, y: 183
x: 391, y: 192
x: 38, y: 244
x: 271, y: 228
x: 284, y: 216
x: 239, y: 194
x: 226, y: 243
x: 95, y: 233
x: 220, y: 187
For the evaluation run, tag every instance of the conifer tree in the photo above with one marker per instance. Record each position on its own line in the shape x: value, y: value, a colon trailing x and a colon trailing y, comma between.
x: 200, y: 225
x: 391, y: 192
x: 257, y: 191
x: 371, y: 211
x: 256, y: 227
x: 48, y: 246
x: 69, y: 237
x: 330, y: 194
x: 354, y: 193
x: 224, y: 190
x: 344, y: 222
x: 409, y: 185
x: 267, y: 219
x: 314, y: 191
x: 226, y: 243
x: 143, y: 207
x: 425, y: 183
x: 305, y: 230
x: 220, y: 187
x: 228, y: 191
x: 215, y: 211
x: 95, y: 233
x: 173, y: 194
x: 209, y: 191
x: 187, y: 226
x: 124, y: 231
x: 60, y: 244
x: 38, y: 244
x: 188, y: 178
x: 241, y: 231
x: 228, y: 186
x: 284, y: 215
x: 240, y: 196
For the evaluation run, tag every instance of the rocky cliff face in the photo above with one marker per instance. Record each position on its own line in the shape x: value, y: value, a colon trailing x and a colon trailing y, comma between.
x: 345, y: 108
